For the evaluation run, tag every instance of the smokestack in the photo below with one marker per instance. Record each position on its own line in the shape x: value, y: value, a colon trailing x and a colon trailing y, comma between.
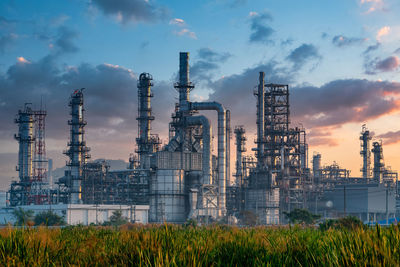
x: 184, y: 86
x: 184, y: 68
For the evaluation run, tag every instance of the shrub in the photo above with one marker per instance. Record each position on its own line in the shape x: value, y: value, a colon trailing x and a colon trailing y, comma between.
x: 48, y: 218
x: 116, y: 219
x: 301, y: 216
x: 23, y: 217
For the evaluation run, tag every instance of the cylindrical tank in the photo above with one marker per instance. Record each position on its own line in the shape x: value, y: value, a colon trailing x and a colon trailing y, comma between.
x: 316, y: 162
x: 168, y: 197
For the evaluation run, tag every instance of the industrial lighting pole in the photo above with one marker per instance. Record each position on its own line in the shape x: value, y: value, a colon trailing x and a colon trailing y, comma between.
x: 387, y: 208
x: 344, y: 200
x: 316, y: 202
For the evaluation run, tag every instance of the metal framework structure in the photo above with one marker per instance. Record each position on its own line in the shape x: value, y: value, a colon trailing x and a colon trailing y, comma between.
x: 333, y: 172
x: 40, y: 187
x: 32, y: 187
x: 382, y: 174
x: 102, y: 186
x: 282, y: 152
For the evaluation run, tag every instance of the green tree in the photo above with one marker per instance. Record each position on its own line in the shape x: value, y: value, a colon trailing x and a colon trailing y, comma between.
x: 301, y: 216
x: 48, y: 218
x: 22, y: 217
x: 116, y: 219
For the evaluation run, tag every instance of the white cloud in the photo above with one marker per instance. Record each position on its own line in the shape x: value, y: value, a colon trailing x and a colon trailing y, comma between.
x: 178, y: 22
x: 253, y: 13
x: 186, y: 32
x: 371, y: 1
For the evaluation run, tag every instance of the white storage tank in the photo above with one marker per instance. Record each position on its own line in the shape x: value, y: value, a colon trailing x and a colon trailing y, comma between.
x: 168, y: 197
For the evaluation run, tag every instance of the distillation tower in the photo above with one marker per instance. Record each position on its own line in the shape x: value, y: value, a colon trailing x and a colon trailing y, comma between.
x: 240, y: 136
x: 19, y: 193
x: 147, y: 143
x: 365, y: 152
x: 379, y: 165
x: 77, y: 151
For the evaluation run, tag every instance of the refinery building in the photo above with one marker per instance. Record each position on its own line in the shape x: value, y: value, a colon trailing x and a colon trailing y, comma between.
x: 184, y: 179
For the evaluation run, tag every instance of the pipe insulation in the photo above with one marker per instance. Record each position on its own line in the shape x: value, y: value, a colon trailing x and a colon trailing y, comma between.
x: 260, y: 118
x: 228, y: 148
x: 221, y: 147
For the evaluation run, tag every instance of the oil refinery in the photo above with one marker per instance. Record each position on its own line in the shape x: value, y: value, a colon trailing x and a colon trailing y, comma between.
x: 184, y: 179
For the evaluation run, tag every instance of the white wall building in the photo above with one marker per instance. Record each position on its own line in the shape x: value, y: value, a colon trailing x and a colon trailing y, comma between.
x: 84, y: 214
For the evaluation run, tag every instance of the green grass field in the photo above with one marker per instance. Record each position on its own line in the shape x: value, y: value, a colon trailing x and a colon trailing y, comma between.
x: 170, y: 245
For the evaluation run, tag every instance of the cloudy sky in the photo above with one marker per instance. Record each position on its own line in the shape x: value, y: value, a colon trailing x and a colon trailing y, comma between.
x: 340, y: 58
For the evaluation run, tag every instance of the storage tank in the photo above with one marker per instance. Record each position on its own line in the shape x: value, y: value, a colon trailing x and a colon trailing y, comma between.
x: 168, y: 196
x: 316, y: 162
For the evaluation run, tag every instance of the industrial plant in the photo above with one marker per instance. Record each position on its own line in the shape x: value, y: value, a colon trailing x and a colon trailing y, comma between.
x: 184, y: 180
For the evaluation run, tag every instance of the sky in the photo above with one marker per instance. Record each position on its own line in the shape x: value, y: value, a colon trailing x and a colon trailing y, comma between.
x: 340, y: 59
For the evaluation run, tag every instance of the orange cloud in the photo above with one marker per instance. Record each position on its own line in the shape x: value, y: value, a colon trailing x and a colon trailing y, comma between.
x: 382, y: 32
x: 371, y: 1
x: 22, y: 60
x: 374, y: 5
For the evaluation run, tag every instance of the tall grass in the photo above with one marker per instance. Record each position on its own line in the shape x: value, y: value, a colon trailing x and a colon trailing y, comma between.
x: 171, y: 245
